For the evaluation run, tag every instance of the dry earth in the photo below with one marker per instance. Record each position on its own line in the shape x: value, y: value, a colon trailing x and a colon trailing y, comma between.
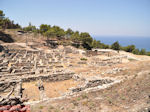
x: 73, y: 81
x: 131, y: 95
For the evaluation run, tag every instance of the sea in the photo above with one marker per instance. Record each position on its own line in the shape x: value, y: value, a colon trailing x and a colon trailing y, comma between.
x: 139, y: 42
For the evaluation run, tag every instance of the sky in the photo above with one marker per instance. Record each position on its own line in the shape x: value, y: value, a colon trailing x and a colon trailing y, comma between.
x: 98, y: 17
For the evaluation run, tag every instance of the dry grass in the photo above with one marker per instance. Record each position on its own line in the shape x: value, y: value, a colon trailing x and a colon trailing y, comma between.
x: 130, y: 95
x: 52, y: 89
x: 55, y: 89
x: 31, y: 91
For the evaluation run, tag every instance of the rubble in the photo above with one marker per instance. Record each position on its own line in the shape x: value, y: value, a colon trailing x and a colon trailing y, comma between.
x: 21, y: 65
x: 91, y: 83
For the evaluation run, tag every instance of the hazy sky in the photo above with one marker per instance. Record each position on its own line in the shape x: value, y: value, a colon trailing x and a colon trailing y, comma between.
x: 98, y: 17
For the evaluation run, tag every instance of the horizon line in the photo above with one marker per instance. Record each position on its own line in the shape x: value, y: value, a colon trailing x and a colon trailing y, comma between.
x: 121, y: 36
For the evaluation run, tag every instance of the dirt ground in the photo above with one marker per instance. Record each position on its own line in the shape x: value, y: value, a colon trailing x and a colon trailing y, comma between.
x: 52, y: 89
x: 131, y: 95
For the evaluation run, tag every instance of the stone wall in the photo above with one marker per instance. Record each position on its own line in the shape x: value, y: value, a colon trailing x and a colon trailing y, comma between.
x: 91, y: 84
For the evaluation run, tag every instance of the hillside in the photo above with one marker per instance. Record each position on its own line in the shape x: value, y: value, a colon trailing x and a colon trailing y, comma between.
x: 68, y: 79
x: 131, y: 95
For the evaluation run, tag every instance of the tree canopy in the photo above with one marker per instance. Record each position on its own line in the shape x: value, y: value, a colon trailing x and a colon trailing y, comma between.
x: 30, y: 27
x: 115, y: 46
x: 69, y: 32
x: 44, y: 28
x: 6, y: 23
x: 2, y: 15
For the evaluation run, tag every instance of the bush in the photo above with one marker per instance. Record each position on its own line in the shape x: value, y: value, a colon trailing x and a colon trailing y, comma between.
x: 142, y: 52
x: 148, y: 53
x: 129, y: 48
x: 83, y: 59
x: 115, y: 46
x: 135, y: 51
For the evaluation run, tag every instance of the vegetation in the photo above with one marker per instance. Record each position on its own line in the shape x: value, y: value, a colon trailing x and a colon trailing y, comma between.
x: 134, y: 50
x: 83, y: 38
x: 6, y: 23
x: 83, y: 59
x: 115, y: 46
x: 148, y: 53
x: 129, y: 48
x: 142, y: 52
x: 30, y: 28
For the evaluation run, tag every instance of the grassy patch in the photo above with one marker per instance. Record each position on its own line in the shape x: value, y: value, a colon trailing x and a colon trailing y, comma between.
x: 84, y: 96
x: 41, y: 107
x: 78, y: 99
x: 131, y: 59
x: 85, y: 103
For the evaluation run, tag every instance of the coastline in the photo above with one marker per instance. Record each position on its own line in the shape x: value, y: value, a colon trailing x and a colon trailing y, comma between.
x: 139, y: 42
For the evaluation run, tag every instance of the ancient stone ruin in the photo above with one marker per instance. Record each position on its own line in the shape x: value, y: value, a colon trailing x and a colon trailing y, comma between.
x: 23, y: 70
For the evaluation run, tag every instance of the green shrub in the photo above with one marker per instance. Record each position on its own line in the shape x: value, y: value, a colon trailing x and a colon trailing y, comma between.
x: 148, y: 53
x: 115, y: 46
x: 83, y: 59
x: 41, y: 107
x: 135, y: 51
x: 142, y: 52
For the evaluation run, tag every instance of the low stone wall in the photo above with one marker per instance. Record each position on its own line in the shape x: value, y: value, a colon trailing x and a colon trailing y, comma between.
x: 43, y: 77
x: 92, y: 83
x: 51, y: 77
x: 7, y: 85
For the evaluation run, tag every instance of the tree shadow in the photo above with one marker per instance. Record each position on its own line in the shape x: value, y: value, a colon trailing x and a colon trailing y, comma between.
x: 6, y: 37
x: 1, y: 48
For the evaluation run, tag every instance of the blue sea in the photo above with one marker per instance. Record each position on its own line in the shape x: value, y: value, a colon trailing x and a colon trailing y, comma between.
x: 139, y: 42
